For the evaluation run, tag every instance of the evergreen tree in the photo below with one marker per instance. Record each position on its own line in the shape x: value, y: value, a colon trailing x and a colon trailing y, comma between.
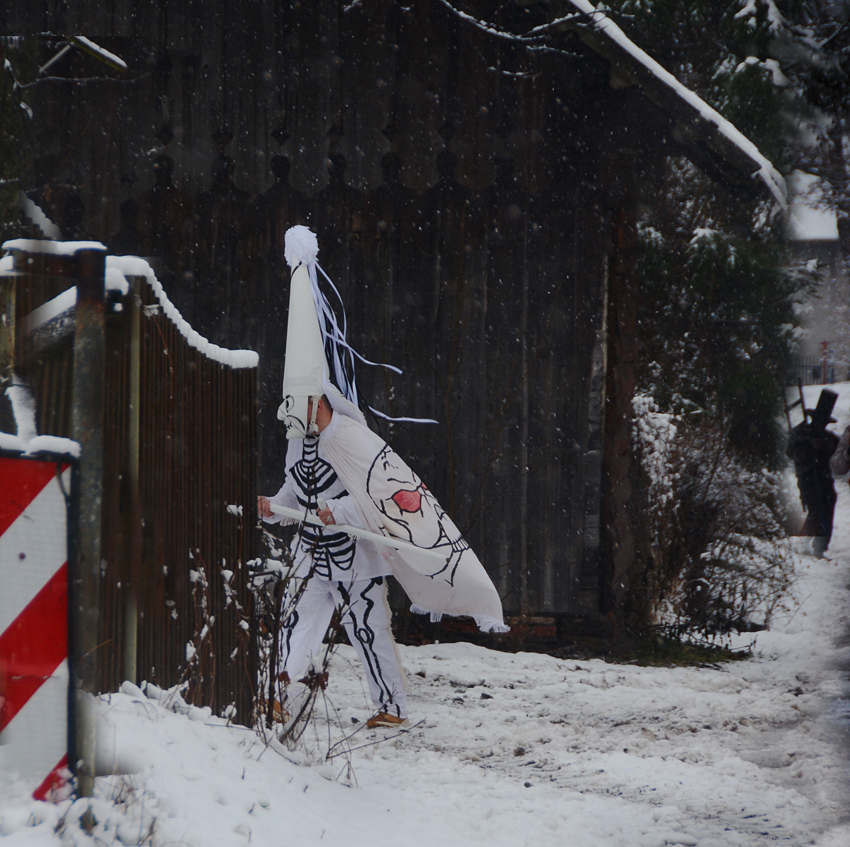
x: 14, y: 114
x: 718, y: 296
x: 718, y: 289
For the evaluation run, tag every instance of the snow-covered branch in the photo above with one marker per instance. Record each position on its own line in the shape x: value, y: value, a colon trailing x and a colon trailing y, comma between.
x: 25, y: 85
x: 535, y: 40
x: 87, y: 45
x: 79, y: 42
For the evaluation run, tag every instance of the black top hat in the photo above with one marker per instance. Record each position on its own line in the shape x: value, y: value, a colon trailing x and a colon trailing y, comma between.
x: 823, y: 410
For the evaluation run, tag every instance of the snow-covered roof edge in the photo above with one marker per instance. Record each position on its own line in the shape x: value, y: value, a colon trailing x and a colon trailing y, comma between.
x: 134, y: 266
x: 763, y: 168
x: 809, y: 218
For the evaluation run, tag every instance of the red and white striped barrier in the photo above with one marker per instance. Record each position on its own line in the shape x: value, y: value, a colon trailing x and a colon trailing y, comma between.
x: 34, y: 621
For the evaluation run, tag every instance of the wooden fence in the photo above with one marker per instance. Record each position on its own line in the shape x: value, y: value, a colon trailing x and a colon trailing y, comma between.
x: 179, y: 469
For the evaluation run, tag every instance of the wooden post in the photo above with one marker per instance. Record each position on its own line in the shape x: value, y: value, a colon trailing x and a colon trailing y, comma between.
x: 131, y: 621
x: 7, y: 328
x: 87, y: 430
x: 7, y: 323
x: 620, y: 388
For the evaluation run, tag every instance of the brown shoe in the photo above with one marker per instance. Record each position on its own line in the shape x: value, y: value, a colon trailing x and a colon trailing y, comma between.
x: 315, y: 681
x: 383, y: 719
x: 279, y: 714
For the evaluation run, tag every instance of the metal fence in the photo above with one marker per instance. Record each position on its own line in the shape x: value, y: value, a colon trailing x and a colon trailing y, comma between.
x: 179, y: 469
x: 813, y: 370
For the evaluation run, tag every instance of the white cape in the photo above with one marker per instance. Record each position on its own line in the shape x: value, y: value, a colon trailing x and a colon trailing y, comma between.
x: 392, y: 500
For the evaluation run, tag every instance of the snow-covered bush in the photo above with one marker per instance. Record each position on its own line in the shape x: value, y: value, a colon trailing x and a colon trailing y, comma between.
x: 712, y: 554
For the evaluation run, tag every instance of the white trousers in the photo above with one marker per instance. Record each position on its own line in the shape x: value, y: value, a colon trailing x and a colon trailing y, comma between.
x: 367, y: 624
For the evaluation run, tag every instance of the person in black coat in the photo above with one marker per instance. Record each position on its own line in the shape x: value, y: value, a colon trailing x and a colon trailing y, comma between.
x: 811, y: 446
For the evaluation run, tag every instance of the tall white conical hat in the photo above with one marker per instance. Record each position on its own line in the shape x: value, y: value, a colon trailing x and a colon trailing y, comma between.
x: 305, y: 367
x: 319, y: 359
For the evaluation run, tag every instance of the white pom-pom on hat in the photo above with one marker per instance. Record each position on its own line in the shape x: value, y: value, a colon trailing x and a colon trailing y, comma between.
x: 300, y: 245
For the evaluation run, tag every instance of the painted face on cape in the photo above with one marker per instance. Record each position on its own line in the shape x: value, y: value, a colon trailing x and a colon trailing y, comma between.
x: 400, y: 495
x: 294, y: 413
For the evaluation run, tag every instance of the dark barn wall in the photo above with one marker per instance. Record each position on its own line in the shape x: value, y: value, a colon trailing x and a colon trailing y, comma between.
x: 464, y: 192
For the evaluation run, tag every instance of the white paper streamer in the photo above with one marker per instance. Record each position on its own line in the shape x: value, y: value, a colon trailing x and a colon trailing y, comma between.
x: 301, y: 247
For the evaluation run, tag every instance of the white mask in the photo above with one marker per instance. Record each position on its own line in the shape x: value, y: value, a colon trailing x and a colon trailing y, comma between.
x: 298, y: 415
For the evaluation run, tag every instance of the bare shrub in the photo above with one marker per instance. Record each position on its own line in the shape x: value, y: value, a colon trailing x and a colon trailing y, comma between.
x: 281, y: 701
x: 713, y: 557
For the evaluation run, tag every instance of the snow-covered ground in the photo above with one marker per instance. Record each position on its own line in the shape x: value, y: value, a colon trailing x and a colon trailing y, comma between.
x: 507, y: 749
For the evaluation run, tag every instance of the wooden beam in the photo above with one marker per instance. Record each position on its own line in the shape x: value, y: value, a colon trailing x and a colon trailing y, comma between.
x: 87, y: 431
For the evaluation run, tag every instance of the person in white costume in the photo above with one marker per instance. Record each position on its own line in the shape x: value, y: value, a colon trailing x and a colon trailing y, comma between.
x: 342, y: 472
x: 341, y: 572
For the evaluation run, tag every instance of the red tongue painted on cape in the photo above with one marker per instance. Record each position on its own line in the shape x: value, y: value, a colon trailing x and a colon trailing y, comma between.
x: 408, y: 501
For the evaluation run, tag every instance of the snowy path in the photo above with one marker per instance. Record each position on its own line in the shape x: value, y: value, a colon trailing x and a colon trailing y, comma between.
x: 512, y: 750
x: 745, y: 753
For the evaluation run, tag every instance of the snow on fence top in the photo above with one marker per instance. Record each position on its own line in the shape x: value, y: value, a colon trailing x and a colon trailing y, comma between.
x: 39, y: 444
x: 57, y: 248
x: 118, y: 268
x: 67, y: 300
x: 134, y: 266
x: 766, y: 171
